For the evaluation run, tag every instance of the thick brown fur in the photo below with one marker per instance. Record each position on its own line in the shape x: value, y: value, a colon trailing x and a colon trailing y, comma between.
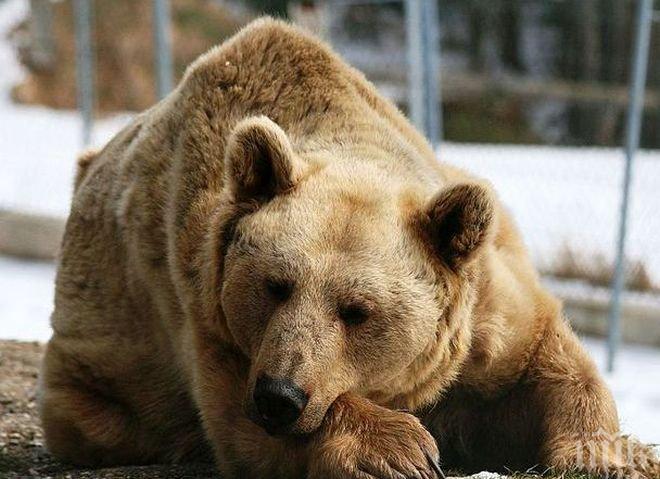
x: 273, y: 162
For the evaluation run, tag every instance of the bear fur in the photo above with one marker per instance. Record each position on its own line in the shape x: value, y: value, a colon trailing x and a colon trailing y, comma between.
x: 274, y: 216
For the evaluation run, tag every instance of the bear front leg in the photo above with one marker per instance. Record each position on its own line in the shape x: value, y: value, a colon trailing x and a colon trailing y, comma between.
x: 361, y: 440
x: 580, y: 424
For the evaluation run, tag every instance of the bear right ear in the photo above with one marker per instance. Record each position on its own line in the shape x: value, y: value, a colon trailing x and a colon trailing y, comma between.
x: 259, y: 161
x: 459, y: 221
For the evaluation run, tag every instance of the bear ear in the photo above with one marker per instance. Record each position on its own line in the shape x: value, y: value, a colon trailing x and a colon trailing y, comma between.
x: 459, y: 221
x: 259, y: 161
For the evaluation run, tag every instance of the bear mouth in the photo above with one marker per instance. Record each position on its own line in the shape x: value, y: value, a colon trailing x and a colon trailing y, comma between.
x: 274, y: 429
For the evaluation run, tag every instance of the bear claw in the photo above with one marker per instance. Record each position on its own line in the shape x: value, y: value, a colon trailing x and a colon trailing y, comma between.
x: 435, y: 466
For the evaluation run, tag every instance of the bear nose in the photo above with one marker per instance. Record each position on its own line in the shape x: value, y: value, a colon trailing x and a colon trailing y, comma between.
x: 279, y: 402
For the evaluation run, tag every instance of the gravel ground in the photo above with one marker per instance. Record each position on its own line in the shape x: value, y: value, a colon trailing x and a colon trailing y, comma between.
x: 22, y: 453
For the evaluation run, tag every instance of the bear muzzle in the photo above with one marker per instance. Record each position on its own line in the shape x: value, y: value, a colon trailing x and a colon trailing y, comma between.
x: 278, y: 404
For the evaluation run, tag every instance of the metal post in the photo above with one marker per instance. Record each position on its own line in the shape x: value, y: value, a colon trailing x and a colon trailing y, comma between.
x: 423, y: 38
x: 633, y: 126
x: 432, y: 72
x: 85, y: 66
x: 414, y: 39
x: 162, y: 47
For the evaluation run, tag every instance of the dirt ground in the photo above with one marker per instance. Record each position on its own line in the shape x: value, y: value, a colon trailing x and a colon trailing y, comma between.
x: 22, y: 453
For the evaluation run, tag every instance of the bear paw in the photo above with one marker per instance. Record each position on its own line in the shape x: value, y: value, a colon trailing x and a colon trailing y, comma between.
x: 361, y: 440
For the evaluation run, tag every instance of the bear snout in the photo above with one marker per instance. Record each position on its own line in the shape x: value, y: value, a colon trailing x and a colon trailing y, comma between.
x: 279, y: 403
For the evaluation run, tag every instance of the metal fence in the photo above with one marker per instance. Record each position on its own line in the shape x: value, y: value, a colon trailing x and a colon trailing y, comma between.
x: 543, y: 195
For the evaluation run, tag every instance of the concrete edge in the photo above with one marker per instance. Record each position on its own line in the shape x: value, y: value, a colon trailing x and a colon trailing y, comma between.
x: 640, y: 323
x: 30, y: 235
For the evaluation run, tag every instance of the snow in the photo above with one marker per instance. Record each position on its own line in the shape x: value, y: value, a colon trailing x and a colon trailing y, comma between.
x: 11, y: 12
x: 484, y: 475
x: 26, y: 299
x: 556, y: 195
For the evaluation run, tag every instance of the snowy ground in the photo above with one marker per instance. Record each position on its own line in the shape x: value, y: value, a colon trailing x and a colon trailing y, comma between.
x: 557, y: 195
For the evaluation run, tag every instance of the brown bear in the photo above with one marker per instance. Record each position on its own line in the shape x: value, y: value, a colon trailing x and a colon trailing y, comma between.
x: 270, y: 265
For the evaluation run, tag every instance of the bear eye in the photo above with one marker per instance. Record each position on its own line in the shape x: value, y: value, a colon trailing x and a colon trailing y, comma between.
x: 353, y: 314
x: 279, y: 289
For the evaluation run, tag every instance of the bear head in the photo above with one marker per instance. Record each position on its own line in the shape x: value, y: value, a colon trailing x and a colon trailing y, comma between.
x: 338, y: 276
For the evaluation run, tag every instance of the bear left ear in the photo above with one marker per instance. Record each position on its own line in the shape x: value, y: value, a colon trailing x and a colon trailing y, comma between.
x: 259, y: 161
x: 459, y: 221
